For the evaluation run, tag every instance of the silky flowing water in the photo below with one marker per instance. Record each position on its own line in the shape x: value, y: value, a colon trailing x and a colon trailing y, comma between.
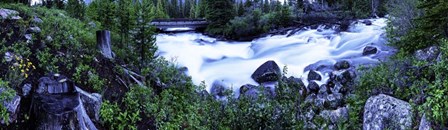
x: 232, y: 63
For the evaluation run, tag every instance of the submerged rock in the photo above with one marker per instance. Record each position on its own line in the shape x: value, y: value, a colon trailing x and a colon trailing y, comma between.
x: 382, y: 111
x: 267, y: 72
x: 218, y: 89
x: 313, y: 75
x: 367, y: 22
x: 313, y: 87
x: 252, y: 91
x: 369, y: 50
x: 343, y: 64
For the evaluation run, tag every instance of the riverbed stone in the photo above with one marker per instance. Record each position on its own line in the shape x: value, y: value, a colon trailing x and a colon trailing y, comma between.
x: 267, y: 72
x: 313, y: 87
x: 313, y: 75
x: 369, y: 50
x: 218, y: 89
x: 383, y: 111
x: 343, y: 64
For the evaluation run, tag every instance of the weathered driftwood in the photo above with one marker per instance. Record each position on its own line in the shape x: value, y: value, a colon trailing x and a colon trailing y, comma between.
x: 58, y: 105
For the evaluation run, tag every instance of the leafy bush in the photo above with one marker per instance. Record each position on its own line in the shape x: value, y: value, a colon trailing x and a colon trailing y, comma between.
x: 6, y: 95
x: 437, y: 102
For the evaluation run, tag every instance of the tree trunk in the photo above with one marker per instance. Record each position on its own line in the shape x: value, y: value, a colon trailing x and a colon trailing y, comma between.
x: 103, y: 42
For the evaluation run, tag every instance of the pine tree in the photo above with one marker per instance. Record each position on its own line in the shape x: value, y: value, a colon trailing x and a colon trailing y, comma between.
x: 76, y: 9
x: 219, y: 12
x: 126, y: 19
x: 144, y: 38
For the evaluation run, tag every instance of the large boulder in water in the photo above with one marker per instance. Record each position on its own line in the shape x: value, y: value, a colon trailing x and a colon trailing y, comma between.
x: 313, y: 75
x: 267, y: 72
x: 386, y: 112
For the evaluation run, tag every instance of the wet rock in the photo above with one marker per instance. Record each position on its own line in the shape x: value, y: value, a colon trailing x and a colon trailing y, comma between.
x: 342, y: 65
x: 26, y: 89
x: 309, y: 115
x: 334, y: 100
x: 313, y: 75
x: 321, y: 101
x: 367, y: 22
x: 323, y: 89
x: 218, y: 89
x: 92, y: 103
x: 313, y: 87
x: 369, y: 50
x: 34, y: 30
x: 267, y: 72
x: 310, y: 98
x: 424, y: 124
x: 427, y: 54
x: 9, y: 14
x: 382, y: 111
x: 57, y: 105
x: 346, y: 76
x: 338, y: 116
x: 252, y: 91
x: 12, y: 107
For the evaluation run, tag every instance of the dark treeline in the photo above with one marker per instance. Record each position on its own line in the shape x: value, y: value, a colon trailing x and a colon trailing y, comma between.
x: 235, y: 19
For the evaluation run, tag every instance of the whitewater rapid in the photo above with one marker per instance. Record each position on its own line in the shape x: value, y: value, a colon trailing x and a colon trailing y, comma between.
x: 233, y: 63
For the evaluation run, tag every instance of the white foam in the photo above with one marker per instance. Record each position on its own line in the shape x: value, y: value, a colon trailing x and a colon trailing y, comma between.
x: 234, y: 62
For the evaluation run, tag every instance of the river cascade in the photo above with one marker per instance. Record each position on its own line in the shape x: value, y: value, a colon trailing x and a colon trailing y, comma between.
x: 232, y: 63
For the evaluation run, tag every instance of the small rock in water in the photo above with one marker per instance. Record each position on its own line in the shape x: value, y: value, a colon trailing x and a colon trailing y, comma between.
x: 342, y: 65
x: 218, y: 89
x: 313, y: 75
x: 267, y: 72
x: 367, y: 22
x: 313, y: 86
x: 369, y: 50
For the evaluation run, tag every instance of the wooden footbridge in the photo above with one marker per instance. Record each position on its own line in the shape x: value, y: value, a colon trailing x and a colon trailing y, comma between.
x: 194, y: 24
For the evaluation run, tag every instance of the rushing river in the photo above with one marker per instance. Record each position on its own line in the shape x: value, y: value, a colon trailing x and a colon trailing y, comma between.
x: 233, y: 63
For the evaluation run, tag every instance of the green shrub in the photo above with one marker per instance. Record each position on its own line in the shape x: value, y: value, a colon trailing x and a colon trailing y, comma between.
x: 6, y: 95
x: 437, y: 102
